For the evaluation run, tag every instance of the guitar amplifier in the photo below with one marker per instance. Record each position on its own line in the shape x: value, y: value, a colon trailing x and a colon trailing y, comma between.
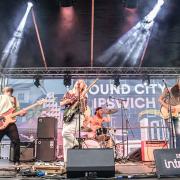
x: 4, y: 149
x: 47, y: 127
x: 147, y: 148
x: 26, y: 151
x: 46, y: 150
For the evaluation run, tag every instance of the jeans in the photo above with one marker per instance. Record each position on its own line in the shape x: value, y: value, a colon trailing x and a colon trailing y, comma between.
x: 176, y: 122
x: 12, y: 132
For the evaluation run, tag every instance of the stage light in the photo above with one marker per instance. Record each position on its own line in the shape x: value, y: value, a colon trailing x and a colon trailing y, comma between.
x: 30, y: 4
x: 146, y: 80
x: 10, y: 52
x: 116, y: 81
x: 37, y: 81
x: 67, y: 80
x: 152, y: 15
x: 67, y: 3
x: 131, y: 4
x: 67, y: 20
x: 130, y: 49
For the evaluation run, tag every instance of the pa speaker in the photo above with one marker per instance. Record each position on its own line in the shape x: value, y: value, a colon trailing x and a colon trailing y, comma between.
x: 167, y: 162
x: 46, y: 150
x: 90, y: 162
x: 47, y: 127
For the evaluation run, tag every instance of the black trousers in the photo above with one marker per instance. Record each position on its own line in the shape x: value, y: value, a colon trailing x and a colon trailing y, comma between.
x: 12, y: 132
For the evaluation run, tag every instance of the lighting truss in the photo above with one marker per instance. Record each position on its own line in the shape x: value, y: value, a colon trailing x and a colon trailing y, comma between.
x: 88, y: 72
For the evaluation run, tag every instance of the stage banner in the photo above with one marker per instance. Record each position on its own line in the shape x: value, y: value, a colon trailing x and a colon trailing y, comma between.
x: 138, y: 113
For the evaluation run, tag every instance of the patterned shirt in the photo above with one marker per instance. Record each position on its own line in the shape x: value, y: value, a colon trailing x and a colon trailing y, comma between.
x: 174, y: 96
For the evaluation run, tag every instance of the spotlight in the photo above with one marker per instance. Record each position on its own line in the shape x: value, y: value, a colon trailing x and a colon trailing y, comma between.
x: 146, y: 80
x: 67, y: 80
x: 131, y: 4
x: 11, y: 50
x: 67, y: 3
x: 37, y: 81
x: 116, y: 81
x: 30, y: 4
x: 130, y: 49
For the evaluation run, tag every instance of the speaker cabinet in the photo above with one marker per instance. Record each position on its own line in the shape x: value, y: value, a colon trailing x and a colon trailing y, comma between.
x: 27, y: 152
x: 47, y: 127
x: 46, y: 150
x: 90, y: 162
x: 167, y: 162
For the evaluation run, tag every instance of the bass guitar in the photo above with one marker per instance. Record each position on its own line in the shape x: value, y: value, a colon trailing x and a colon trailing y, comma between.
x: 9, y: 117
x: 165, y: 112
x: 72, y: 110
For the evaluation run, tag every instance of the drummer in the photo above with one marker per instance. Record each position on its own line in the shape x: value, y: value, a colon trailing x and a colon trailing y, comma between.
x: 95, y: 122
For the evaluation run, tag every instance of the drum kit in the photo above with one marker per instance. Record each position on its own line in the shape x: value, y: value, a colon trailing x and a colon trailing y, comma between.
x: 102, y: 138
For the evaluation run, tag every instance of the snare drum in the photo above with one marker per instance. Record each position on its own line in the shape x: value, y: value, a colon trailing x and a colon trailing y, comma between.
x: 89, y: 143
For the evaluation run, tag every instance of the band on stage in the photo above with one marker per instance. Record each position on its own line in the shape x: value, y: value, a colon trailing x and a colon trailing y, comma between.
x: 80, y: 128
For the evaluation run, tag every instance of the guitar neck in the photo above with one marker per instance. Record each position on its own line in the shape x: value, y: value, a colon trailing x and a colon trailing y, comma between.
x: 87, y: 90
x: 26, y: 109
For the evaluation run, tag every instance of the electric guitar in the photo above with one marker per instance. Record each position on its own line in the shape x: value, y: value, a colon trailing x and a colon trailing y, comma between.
x: 9, y: 117
x: 165, y: 112
x: 71, y: 111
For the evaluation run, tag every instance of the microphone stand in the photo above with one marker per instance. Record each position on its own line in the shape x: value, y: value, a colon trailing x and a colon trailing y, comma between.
x: 127, y: 123
x: 79, y: 111
x: 172, y: 143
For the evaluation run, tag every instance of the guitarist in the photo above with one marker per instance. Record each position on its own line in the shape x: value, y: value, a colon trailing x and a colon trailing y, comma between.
x: 173, y: 101
x: 70, y: 128
x: 7, y: 103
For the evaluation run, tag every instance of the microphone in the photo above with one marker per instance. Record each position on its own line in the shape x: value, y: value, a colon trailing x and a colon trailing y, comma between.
x: 110, y: 97
x: 165, y: 83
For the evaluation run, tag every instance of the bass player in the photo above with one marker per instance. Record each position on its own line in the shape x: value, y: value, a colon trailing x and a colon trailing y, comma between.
x: 171, y: 98
x: 7, y: 103
x: 71, y: 127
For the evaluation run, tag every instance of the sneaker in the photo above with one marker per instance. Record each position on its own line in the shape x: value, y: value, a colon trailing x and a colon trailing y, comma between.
x: 17, y: 163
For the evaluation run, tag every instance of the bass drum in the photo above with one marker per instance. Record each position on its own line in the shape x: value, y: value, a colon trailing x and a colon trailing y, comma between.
x: 89, y: 143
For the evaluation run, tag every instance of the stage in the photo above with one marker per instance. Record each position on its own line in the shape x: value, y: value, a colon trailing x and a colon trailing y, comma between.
x: 124, y: 170
x: 100, y: 75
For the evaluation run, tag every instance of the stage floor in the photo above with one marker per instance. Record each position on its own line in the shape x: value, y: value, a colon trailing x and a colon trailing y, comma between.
x: 135, y: 170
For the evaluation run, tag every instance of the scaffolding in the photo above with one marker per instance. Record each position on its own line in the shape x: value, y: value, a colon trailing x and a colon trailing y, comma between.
x: 90, y: 72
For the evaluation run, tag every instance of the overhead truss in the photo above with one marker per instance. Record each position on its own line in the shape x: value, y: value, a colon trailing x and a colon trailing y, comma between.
x: 88, y: 72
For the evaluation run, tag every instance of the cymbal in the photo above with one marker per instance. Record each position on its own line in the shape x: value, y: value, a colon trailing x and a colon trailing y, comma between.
x: 110, y: 111
x: 86, y: 129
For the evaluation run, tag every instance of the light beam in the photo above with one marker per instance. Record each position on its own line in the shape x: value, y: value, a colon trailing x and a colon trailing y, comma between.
x: 10, y: 52
x: 129, y: 50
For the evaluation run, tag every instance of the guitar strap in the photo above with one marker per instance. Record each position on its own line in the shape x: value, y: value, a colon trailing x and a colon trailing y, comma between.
x: 15, y: 102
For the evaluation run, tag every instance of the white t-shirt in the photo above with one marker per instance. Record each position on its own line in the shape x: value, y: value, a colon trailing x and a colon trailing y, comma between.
x: 5, y: 103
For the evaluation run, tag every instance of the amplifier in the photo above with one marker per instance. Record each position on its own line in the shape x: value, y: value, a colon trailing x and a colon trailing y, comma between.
x: 26, y: 151
x: 147, y: 148
x: 46, y: 150
x: 4, y: 149
x: 47, y: 127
